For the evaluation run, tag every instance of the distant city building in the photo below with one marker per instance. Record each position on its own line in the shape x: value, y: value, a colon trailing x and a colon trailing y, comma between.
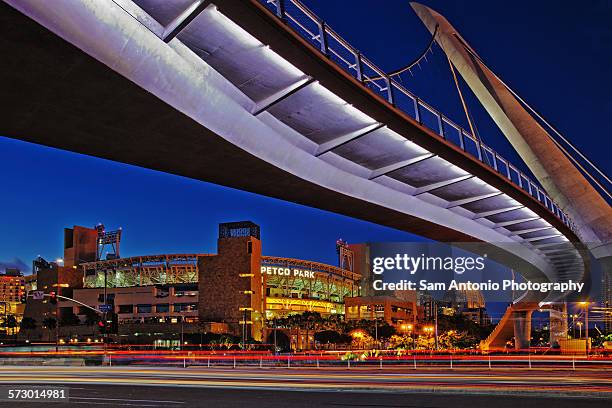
x: 607, y: 299
x: 386, y: 308
x: 469, y: 303
x: 427, y: 305
x: 59, y: 278
x: 12, y: 295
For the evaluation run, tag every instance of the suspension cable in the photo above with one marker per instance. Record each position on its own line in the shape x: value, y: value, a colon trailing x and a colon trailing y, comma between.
x: 412, y: 64
x: 465, y: 109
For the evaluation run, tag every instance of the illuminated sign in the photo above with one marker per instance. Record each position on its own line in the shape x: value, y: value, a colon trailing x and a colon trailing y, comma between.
x: 285, y: 271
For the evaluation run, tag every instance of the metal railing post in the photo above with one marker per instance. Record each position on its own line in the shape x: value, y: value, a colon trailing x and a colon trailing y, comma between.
x: 390, y: 97
x: 323, y: 37
x: 280, y: 9
x: 462, y: 139
x: 359, y: 66
x: 417, y: 110
x: 529, y: 356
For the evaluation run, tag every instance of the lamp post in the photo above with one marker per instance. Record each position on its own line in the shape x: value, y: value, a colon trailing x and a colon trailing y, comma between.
x: 436, y: 323
x: 580, y: 328
x: 429, y: 330
x: 376, y: 331
x: 409, y: 326
x: 182, y: 332
x: 586, y: 324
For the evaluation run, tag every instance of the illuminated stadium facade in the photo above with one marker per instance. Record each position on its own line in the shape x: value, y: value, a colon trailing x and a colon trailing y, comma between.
x: 290, y: 285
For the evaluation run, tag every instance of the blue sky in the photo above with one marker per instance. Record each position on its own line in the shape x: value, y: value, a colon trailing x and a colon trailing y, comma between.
x: 554, y: 54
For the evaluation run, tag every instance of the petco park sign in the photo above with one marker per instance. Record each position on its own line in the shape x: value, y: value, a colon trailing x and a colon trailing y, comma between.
x: 282, y: 271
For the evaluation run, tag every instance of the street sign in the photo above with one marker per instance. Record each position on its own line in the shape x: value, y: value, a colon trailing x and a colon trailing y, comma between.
x: 38, y: 295
x: 105, y: 308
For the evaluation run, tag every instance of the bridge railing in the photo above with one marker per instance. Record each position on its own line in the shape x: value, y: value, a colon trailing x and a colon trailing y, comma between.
x: 333, y: 46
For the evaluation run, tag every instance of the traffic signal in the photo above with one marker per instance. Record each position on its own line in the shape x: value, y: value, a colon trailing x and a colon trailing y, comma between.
x: 23, y: 296
x: 110, y: 325
x: 53, y: 298
x: 102, y: 326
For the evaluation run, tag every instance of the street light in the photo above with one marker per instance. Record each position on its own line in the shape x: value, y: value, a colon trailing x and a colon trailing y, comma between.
x: 574, y: 316
x: 586, y: 324
x: 580, y: 327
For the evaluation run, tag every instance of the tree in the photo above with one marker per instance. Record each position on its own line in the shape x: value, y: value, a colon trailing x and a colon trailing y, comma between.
x: 381, y: 328
x: 425, y: 342
x: 91, y: 319
x: 27, y: 325
x: 70, y: 319
x: 401, y: 342
x: 327, y: 337
x: 361, y: 339
x: 283, y: 343
x: 50, y: 323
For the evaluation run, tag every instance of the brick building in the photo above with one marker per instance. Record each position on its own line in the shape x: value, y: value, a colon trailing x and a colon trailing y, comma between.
x: 230, y: 283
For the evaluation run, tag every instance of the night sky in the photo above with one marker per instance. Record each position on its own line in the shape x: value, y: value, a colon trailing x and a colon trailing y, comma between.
x: 557, y: 55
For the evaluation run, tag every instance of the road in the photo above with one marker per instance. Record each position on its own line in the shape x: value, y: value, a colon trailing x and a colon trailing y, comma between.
x: 179, y: 397
x: 195, y: 386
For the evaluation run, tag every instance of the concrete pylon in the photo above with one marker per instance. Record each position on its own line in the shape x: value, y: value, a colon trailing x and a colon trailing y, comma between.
x: 558, y: 323
x: 557, y: 174
x: 522, y: 328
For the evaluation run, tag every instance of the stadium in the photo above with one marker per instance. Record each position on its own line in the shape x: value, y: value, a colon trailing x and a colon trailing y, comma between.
x: 291, y: 285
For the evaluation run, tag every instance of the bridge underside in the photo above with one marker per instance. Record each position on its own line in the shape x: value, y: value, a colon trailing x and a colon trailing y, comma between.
x: 62, y: 97
x: 58, y: 96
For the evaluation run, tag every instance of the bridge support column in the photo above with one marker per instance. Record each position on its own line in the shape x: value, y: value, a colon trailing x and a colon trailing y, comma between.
x: 522, y: 328
x: 558, y: 324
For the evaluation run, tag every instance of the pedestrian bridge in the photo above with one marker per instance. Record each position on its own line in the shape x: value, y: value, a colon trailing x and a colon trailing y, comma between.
x: 265, y: 97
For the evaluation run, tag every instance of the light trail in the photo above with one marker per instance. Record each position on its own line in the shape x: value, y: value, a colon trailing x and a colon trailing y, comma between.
x: 592, y: 383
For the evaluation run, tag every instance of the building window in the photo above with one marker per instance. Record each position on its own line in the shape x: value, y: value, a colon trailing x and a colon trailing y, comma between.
x: 109, y: 296
x: 144, y: 308
x: 185, y: 307
x: 126, y: 309
x: 162, y: 308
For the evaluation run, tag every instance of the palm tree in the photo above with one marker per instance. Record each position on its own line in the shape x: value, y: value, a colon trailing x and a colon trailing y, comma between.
x: 27, y: 325
x: 91, y: 319
x: 50, y: 323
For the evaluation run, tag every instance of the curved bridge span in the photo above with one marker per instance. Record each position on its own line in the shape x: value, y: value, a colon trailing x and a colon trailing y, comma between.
x: 263, y: 96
